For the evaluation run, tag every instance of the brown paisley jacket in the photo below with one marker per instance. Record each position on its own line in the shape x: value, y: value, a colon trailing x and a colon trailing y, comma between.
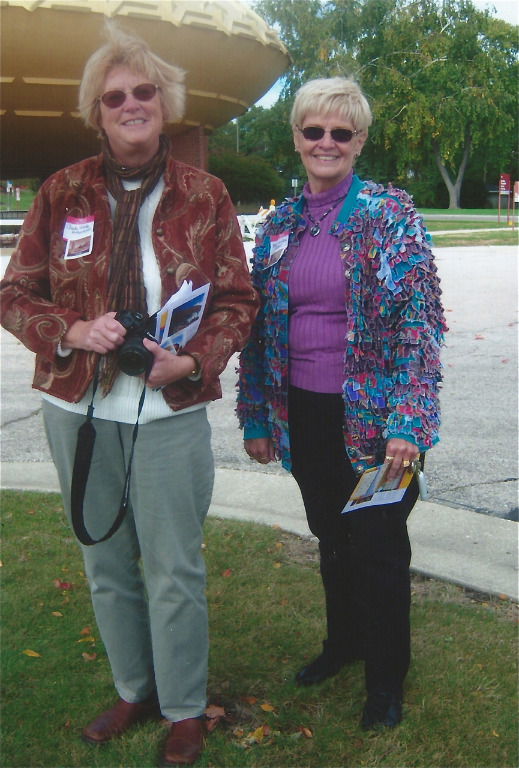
x: 195, y: 237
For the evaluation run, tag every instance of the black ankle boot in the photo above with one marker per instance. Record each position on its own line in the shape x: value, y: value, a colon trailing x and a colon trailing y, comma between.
x: 382, y: 710
x: 325, y: 665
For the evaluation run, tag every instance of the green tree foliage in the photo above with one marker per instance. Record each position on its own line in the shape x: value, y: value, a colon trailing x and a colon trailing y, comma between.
x: 441, y: 79
x: 249, y: 179
x: 264, y: 134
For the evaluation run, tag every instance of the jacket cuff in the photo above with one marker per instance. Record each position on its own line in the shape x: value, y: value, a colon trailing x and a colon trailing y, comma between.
x: 404, y: 437
x: 252, y: 433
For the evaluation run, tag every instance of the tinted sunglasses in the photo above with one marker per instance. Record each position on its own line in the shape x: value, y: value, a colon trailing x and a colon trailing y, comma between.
x: 316, y: 133
x: 116, y: 98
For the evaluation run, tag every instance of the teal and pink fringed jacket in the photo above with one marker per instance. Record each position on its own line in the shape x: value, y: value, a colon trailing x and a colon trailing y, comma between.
x: 395, y: 326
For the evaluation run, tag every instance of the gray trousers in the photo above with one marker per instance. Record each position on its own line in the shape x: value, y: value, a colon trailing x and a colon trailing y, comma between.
x: 152, y: 619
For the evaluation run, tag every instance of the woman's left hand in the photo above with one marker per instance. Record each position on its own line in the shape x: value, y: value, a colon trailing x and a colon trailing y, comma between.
x: 167, y: 367
x: 399, y: 454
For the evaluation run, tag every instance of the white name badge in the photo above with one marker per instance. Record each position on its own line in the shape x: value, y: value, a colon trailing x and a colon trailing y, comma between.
x: 79, y: 234
x: 278, y: 246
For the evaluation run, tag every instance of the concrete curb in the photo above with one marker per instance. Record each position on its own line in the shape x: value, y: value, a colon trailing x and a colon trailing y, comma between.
x: 476, y: 551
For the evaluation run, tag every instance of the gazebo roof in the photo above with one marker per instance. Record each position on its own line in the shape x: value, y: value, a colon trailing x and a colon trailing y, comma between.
x: 229, y: 53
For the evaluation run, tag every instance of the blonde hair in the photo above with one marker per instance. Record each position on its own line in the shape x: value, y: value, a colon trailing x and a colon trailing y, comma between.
x: 130, y: 51
x: 325, y: 95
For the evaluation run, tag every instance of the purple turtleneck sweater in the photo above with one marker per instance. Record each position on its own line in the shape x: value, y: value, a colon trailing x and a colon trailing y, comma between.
x: 317, y: 312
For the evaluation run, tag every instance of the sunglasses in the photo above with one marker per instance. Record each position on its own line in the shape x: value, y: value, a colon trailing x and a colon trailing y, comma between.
x: 116, y: 98
x: 316, y: 133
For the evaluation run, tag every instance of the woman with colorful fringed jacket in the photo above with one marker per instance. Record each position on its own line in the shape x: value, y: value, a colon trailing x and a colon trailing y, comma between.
x: 341, y: 372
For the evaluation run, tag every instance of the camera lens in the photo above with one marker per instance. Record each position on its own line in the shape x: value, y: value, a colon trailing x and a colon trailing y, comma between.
x: 134, y: 358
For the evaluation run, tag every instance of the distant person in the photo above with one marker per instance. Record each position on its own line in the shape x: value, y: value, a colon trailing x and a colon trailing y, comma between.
x: 341, y: 372
x: 123, y: 231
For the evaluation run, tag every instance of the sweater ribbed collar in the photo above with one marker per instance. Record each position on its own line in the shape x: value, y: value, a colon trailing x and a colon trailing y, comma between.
x: 318, y: 200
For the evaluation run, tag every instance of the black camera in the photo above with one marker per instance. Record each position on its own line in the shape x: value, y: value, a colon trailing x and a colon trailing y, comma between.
x: 133, y: 357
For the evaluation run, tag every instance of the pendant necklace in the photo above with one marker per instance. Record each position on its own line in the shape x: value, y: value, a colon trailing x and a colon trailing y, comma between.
x: 315, y: 229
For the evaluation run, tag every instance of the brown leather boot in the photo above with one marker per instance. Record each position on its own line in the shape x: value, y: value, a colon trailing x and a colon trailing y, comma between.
x: 118, y: 719
x: 185, y: 742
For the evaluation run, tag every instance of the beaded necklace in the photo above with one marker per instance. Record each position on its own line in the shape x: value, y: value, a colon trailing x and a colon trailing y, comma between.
x: 315, y: 229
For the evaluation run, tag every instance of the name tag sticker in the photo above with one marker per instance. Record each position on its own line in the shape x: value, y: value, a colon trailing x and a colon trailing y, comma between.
x: 278, y: 246
x: 79, y: 234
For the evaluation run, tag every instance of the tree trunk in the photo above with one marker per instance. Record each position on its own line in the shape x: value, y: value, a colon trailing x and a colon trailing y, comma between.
x: 453, y: 188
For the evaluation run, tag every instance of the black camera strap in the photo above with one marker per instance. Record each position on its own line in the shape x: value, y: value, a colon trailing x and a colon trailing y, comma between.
x: 86, y: 438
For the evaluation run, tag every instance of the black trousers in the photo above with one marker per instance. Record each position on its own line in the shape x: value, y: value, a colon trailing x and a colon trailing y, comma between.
x: 364, y: 554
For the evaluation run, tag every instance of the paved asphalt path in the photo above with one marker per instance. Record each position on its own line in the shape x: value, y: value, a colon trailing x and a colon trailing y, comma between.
x: 475, y: 464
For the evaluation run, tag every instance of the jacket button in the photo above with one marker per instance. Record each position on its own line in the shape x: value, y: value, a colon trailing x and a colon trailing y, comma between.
x: 170, y: 270
x: 159, y: 232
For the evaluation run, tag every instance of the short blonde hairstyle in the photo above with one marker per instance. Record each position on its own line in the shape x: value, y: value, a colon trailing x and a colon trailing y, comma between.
x: 130, y: 51
x: 332, y: 94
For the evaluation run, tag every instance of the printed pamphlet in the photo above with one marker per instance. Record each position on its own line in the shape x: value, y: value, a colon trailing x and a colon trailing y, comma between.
x: 179, y: 318
x: 374, y: 489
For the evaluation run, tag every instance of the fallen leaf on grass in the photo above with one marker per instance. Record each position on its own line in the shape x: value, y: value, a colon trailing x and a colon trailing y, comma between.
x: 62, y: 584
x: 33, y: 654
x: 226, y: 573
x: 249, y: 699
x: 307, y: 733
x: 267, y: 707
x: 213, y: 715
x: 259, y: 734
x: 89, y: 656
x: 56, y: 613
x: 85, y: 631
x: 87, y: 639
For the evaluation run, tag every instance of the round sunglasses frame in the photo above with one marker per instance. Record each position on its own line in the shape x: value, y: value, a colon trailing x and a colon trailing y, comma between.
x: 339, y: 135
x: 120, y: 96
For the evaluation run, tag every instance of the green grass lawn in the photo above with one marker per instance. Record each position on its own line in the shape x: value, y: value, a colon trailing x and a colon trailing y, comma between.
x: 471, y: 232
x: 8, y: 202
x: 266, y: 620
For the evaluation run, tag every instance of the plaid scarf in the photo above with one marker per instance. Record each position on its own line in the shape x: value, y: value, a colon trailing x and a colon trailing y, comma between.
x: 125, y: 288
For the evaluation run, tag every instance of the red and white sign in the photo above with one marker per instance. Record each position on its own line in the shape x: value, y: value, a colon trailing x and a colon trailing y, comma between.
x: 504, y: 184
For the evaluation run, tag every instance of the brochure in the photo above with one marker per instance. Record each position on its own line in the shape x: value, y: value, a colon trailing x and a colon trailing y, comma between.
x: 374, y: 489
x: 179, y: 318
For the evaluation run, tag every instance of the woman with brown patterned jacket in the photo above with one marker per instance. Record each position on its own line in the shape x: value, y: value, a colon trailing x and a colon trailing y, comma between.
x: 124, y: 230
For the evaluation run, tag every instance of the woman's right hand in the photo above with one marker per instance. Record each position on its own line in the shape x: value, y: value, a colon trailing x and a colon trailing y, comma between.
x: 260, y: 449
x: 101, y: 335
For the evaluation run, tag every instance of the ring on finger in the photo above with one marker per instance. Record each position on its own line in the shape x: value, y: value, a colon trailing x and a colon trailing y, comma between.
x: 389, y: 458
x: 406, y: 463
